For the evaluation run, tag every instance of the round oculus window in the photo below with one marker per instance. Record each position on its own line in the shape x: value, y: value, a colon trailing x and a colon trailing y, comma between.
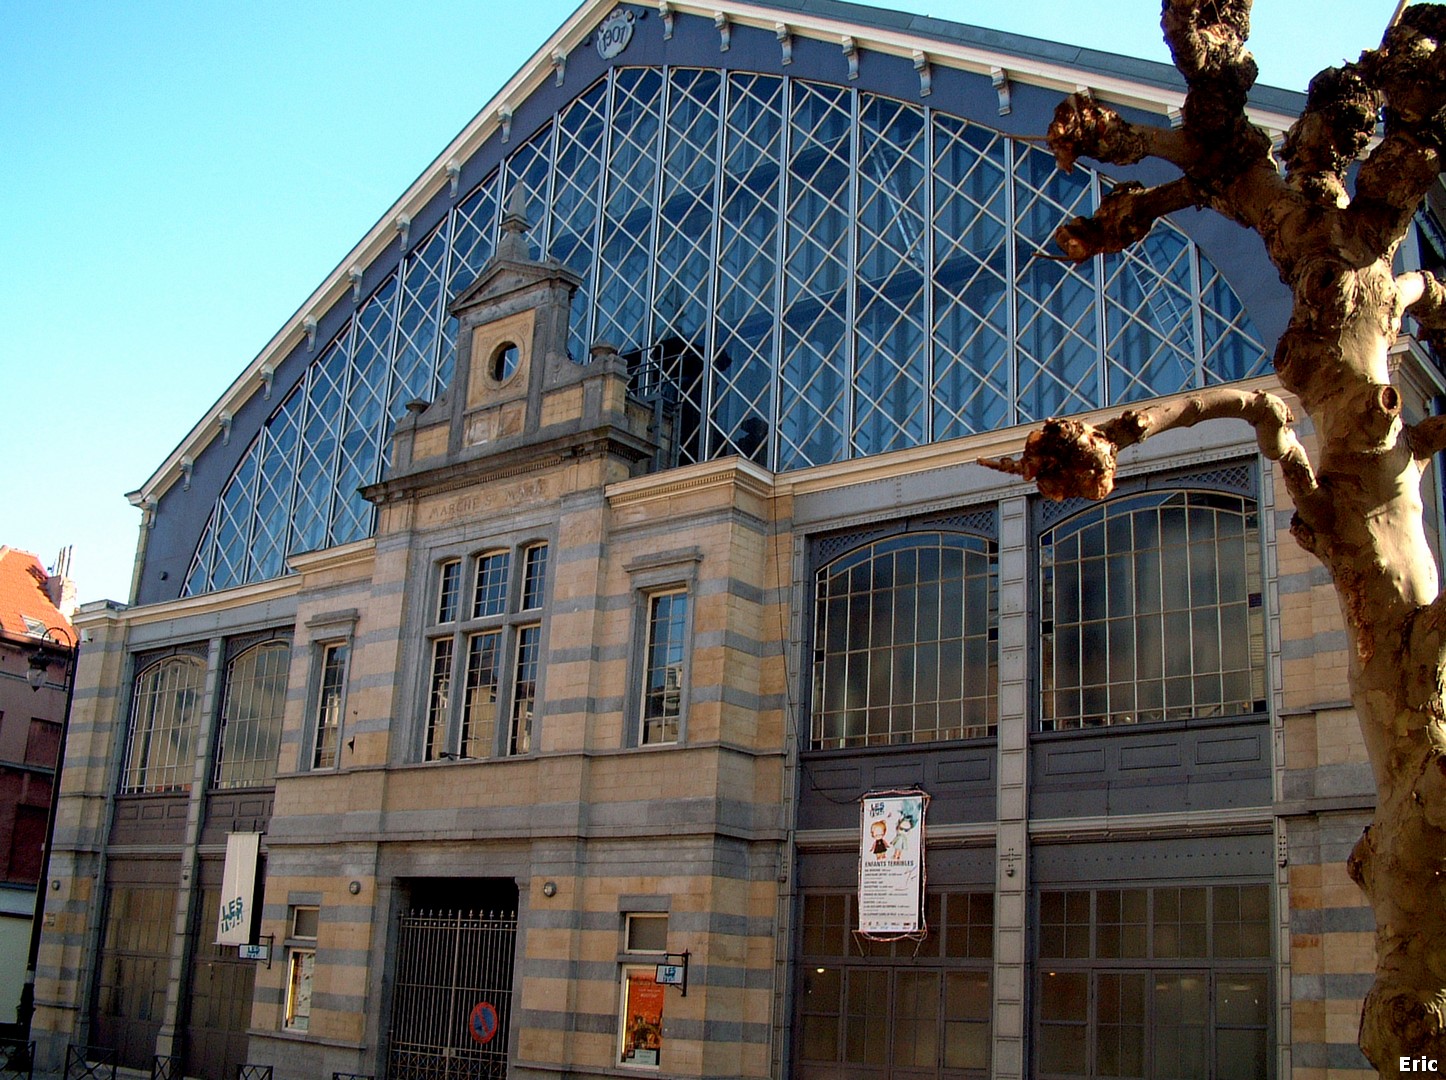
x: 505, y: 360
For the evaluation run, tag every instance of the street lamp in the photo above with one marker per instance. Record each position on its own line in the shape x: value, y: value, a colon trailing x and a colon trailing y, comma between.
x: 58, y: 645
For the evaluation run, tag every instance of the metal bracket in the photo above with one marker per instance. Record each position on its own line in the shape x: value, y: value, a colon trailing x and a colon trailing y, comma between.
x: 673, y: 971
x: 999, y: 79
x: 785, y: 40
x: 926, y: 73
x: 851, y: 54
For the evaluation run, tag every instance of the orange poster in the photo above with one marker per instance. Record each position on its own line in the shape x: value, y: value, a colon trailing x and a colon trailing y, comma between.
x: 642, y: 1020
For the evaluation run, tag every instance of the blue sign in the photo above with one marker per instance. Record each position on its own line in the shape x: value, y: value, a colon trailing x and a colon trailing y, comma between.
x: 482, y: 1023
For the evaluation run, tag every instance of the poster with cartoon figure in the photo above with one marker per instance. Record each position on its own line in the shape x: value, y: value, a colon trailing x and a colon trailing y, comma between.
x: 891, y: 864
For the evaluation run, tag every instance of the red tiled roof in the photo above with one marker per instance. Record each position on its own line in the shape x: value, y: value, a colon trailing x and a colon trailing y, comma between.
x: 22, y: 594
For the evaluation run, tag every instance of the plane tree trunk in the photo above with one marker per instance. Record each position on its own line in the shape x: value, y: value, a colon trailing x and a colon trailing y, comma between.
x: 1358, y: 504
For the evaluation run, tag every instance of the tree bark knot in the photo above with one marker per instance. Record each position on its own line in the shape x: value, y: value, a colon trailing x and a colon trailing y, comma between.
x: 1430, y: 790
x: 1398, y: 1022
x: 1065, y: 459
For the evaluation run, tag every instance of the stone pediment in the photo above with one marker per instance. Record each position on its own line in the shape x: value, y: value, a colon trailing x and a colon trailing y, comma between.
x: 503, y: 276
x: 516, y: 398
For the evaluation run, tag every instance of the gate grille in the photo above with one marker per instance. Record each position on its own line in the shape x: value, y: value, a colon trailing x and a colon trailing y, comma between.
x: 449, y: 963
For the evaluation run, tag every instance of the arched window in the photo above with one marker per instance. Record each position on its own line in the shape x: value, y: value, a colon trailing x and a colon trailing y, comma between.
x: 1151, y: 610
x: 904, y: 642
x: 165, y: 716
x: 251, y: 716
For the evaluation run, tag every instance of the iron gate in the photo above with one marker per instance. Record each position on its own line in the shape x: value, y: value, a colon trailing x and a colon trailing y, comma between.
x: 452, y: 997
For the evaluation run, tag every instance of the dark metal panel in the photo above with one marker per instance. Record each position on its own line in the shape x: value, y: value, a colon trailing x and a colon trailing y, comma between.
x: 236, y: 811
x: 1150, y: 769
x: 1178, y: 859
x: 958, y: 776
x: 150, y: 819
x: 947, y: 866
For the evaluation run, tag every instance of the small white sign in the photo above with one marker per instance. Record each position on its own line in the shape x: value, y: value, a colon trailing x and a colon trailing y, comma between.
x: 669, y: 975
x: 614, y: 33
x: 254, y: 952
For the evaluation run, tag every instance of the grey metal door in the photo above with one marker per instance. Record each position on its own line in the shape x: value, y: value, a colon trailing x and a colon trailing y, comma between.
x: 452, y: 996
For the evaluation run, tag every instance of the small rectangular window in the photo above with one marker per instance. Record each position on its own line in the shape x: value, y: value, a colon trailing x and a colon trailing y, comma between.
x: 489, y: 595
x: 663, y: 655
x: 641, y: 1018
x: 524, y: 687
x: 479, y: 702
x: 534, y: 576
x: 449, y: 590
x: 438, y: 693
x: 329, y: 704
x: 304, y: 921
x: 647, y: 933
x: 300, y: 965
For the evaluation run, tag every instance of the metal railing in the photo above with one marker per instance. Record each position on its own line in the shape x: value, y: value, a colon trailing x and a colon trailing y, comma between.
x: 89, y: 1063
x: 17, y: 1058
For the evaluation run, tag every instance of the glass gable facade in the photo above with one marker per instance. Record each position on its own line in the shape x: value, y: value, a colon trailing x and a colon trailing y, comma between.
x: 817, y: 272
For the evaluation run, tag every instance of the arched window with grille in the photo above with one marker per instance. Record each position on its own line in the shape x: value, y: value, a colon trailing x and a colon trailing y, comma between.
x: 251, y: 716
x: 1151, y: 610
x: 905, y: 645
x: 165, y: 719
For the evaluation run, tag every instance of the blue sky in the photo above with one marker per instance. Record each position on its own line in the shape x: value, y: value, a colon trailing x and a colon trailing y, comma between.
x: 176, y: 177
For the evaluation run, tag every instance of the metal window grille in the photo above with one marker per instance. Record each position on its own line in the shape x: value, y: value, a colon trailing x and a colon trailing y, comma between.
x: 904, y: 642
x: 165, y: 716
x: 1151, y: 610
x: 251, y: 716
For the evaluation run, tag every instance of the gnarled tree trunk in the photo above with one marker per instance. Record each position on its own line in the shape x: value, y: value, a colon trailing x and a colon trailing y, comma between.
x: 1358, y: 506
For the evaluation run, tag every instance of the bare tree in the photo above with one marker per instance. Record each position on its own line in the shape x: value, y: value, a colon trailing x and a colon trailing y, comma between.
x: 1358, y: 506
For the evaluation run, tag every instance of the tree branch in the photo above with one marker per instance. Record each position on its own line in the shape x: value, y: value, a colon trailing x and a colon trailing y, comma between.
x: 1207, y: 41
x: 1124, y: 217
x: 1406, y: 74
x: 1334, y: 129
x: 1082, y: 127
x: 1390, y: 185
x: 1422, y: 295
x: 1072, y: 458
x: 1427, y: 438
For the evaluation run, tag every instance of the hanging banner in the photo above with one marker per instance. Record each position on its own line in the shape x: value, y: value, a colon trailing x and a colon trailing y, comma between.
x: 891, y: 864
x: 238, y: 888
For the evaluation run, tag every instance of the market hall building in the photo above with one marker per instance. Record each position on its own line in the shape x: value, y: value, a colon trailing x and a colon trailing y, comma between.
x: 529, y: 620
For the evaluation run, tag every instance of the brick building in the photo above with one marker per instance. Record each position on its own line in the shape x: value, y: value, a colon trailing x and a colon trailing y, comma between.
x: 34, y: 624
x: 541, y: 603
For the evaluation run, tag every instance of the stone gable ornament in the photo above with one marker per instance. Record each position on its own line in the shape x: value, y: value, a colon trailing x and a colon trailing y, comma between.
x: 614, y: 33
